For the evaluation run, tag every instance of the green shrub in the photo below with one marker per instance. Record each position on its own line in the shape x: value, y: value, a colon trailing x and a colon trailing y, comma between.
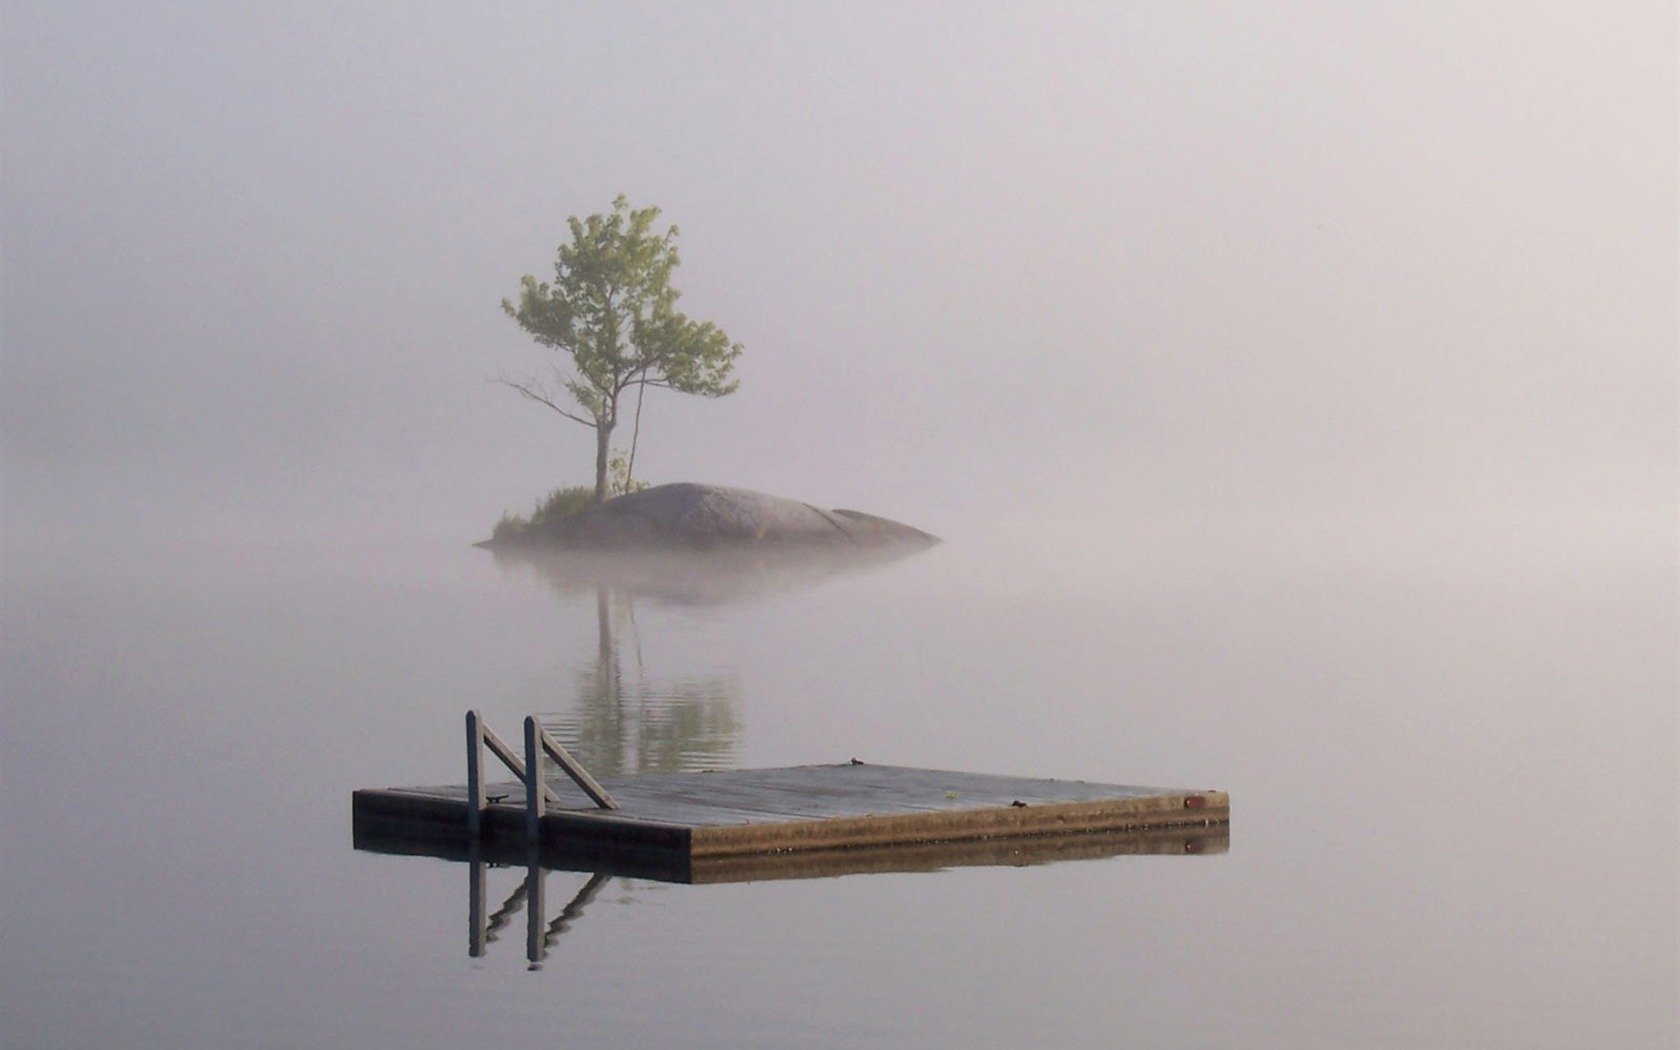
x: 562, y: 503
x: 508, y: 527
x: 619, y: 482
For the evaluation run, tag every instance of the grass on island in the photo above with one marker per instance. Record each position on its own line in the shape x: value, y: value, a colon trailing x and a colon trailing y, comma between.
x: 566, y: 501
x: 561, y: 503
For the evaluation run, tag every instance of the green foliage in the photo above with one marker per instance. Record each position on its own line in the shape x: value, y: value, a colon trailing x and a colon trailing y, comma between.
x: 509, y: 526
x: 619, y: 481
x: 611, y: 312
x: 562, y: 503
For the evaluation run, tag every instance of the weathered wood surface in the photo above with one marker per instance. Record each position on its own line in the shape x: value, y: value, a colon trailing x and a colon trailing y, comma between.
x: 758, y: 811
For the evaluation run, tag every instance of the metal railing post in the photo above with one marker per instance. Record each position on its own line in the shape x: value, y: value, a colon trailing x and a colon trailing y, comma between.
x: 534, y: 791
x: 475, y: 775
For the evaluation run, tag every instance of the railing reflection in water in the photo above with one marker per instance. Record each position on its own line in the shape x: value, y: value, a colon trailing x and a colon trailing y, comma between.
x: 541, y: 933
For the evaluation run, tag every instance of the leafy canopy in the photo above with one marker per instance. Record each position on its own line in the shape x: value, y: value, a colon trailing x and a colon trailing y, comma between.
x: 612, y: 312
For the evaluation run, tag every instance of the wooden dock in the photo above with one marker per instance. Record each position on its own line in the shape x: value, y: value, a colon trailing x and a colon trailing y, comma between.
x: 716, y: 826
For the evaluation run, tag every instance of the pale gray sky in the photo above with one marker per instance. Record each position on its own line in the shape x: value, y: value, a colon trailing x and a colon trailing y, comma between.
x: 1234, y: 263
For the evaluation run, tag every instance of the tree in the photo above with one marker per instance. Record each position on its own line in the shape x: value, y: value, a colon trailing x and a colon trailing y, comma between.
x: 612, y: 312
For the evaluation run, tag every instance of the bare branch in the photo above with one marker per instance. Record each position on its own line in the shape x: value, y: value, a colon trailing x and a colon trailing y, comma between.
x: 536, y: 393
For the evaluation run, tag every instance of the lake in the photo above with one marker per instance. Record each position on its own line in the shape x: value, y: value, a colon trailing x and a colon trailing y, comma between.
x: 1452, y: 783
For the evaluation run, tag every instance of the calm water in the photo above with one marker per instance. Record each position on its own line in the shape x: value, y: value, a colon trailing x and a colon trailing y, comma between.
x: 1454, y: 810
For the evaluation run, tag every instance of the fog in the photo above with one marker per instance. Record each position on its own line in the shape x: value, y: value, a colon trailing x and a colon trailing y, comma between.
x: 1303, y: 281
x: 1294, y: 388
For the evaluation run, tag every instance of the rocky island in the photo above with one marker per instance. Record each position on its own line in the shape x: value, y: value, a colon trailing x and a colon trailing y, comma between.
x: 704, y: 544
x: 685, y: 516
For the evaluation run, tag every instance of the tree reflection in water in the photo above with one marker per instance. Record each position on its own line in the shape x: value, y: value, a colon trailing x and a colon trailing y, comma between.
x: 624, y: 720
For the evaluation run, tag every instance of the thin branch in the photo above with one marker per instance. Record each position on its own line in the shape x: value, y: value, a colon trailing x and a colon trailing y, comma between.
x: 536, y: 393
x: 635, y: 436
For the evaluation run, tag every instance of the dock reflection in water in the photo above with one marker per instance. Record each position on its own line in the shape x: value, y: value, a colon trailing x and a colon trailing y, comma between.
x: 542, y: 931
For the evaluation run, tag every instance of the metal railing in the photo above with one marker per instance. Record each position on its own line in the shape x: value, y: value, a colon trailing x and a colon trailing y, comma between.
x: 540, y: 747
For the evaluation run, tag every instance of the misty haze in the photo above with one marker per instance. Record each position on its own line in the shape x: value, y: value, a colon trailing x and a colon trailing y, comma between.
x: 1291, y: 392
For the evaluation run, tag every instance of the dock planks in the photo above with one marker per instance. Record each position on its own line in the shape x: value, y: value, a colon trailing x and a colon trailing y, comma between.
x: 733, y: 814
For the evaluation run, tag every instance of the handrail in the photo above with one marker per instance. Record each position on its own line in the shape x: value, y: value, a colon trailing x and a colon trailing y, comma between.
x: 571, y: 766
x: 538, y: 745
x: 480, y: 736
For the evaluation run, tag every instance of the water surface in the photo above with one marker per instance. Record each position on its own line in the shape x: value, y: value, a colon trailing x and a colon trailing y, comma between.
x: 1453, y: 804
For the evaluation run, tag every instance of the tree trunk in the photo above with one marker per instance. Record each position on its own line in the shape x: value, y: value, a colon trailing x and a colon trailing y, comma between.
x: 603, y: 439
